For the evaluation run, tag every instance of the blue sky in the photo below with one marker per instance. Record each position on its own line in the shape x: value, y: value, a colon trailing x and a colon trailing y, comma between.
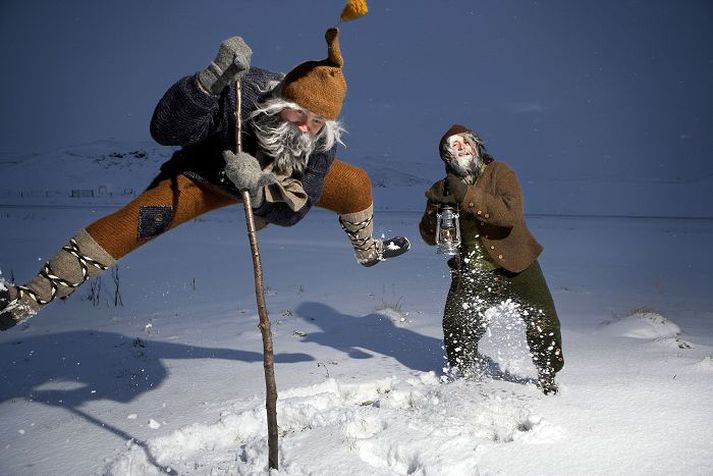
x: 575, y: 91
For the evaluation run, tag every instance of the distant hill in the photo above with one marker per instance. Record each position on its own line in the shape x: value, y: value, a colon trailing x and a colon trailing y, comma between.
x: 110, y: 173
x: 98, y: 173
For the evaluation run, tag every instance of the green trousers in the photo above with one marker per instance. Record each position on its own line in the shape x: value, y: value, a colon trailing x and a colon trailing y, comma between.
x: 474, y: 290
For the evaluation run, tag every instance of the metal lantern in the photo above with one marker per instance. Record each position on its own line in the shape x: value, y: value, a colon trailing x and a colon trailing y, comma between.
x: 448, y: 230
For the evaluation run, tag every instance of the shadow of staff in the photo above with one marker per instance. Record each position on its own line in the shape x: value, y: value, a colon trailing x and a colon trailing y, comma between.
x: 69, y: 369
x: 126, y: 437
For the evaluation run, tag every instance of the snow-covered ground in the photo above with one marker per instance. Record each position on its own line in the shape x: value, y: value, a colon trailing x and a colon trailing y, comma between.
x: 173, y: 379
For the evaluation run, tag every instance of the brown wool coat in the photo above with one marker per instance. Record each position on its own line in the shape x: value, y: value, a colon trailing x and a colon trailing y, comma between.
x: 495, y: 202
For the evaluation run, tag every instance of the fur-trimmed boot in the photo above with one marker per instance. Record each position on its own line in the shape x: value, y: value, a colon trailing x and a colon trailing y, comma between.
x: 82, y: 258
x: 359, y: 227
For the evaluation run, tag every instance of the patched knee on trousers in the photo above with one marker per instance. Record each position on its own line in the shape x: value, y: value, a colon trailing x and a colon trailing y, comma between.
x: 154, y: 220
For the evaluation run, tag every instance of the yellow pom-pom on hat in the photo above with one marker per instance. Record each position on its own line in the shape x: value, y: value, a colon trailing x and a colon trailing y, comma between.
x: 354, y: 9
x: 319, y: 86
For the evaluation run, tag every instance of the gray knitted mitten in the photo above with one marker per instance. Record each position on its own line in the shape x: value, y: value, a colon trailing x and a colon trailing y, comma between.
x: 244, y: 171
x: 232, y: 59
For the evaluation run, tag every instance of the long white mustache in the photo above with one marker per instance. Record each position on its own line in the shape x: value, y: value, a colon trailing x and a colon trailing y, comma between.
x: 288, y: 146
x: 465, y: 160
x: 466, y: 165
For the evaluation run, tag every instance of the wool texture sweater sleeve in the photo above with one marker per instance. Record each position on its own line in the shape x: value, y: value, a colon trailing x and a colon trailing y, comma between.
x: 186, y: 115
x: 204, y: 124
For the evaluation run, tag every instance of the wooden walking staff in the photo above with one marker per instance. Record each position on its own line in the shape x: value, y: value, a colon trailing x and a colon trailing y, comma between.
x: 265, y: 327
x: 353, y: 9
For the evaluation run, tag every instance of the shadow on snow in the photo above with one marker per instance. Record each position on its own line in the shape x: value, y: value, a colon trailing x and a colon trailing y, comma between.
x: 358, y: 336
x: 72, y: 368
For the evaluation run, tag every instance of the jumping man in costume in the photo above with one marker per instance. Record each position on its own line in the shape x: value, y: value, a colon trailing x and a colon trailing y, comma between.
x: 290, y: 131
x: 497, y: 259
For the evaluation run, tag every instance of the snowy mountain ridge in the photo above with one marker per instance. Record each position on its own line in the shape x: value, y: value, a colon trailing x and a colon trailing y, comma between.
x: 110, y: 173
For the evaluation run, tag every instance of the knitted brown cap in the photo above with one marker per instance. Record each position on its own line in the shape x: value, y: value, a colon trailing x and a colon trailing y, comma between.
x: 319, y: 85
x: 453, y: 130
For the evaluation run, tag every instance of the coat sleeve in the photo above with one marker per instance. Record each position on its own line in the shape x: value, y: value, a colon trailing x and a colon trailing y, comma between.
x: 427, y: 227
x: 498, y: 203
x: 186, y: 115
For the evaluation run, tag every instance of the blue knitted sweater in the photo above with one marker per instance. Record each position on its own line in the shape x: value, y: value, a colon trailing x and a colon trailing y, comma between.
x: 204, y: 126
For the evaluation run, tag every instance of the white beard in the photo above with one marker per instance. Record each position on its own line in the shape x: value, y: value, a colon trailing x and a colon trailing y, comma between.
x: 284, y: 143
x: 466, y: 165
x: 464, y: 161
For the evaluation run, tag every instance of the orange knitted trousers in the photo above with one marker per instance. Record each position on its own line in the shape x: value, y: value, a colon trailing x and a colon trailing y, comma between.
x: 170, y: 201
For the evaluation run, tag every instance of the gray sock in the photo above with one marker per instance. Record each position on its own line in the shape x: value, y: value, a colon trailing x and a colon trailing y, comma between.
x: 359, y: 227
x: 80, y: 259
